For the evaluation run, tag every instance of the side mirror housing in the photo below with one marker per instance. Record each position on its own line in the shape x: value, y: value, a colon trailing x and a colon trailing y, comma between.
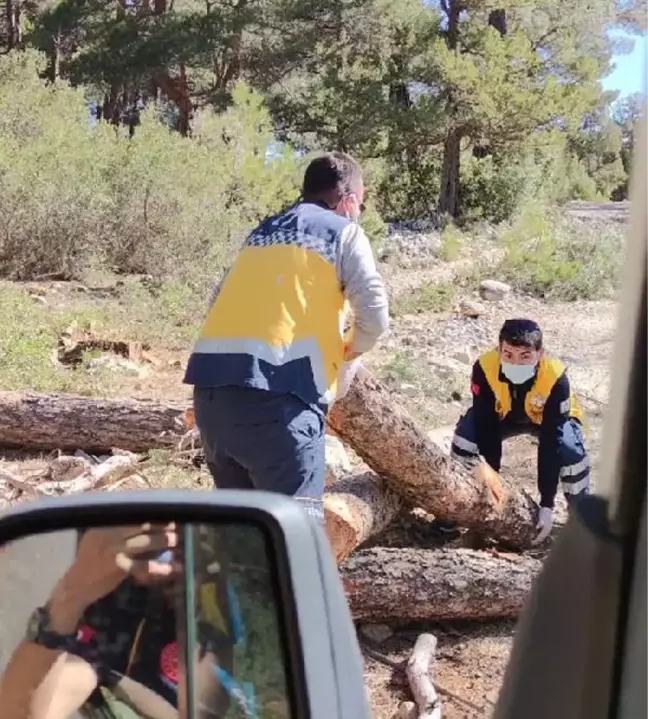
x: 321, y: 657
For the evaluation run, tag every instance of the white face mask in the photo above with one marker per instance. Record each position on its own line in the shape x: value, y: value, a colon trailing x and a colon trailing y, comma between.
x: 518, y: 373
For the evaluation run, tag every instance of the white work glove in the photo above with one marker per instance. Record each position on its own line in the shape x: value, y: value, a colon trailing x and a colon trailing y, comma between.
x: 544, y: 525
x: 346, y: 375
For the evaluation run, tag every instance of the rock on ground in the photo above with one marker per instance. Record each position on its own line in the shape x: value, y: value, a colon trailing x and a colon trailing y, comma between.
x: 471, y: 308
x: 493, y: 290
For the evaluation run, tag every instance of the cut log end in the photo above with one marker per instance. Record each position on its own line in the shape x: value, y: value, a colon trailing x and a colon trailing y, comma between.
x: 355, y: 508
x: 342, y: 534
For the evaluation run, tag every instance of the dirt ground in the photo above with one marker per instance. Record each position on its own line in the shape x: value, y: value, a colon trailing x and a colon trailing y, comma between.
x: 426, y: 361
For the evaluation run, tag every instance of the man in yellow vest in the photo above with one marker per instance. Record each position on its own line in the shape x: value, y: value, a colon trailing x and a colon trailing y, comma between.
x: 517, y: 389
x: 265, y: 368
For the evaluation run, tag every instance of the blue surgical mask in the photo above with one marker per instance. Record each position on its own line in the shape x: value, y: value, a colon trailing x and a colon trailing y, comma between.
x: 518, y: 373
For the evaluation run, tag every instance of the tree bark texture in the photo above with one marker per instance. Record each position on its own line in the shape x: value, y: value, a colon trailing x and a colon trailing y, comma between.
x: 449, y: 194
x: 404, y: 585
x: 389, y: 441
x: 356, y: 508
x: 13, y: 23
x: 367, y: 419
x: 68, y: 422
x: 449, y: 191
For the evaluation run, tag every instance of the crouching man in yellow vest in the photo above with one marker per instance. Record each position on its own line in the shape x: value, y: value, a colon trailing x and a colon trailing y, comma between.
x: 517, y: 389
x: 265, y: 368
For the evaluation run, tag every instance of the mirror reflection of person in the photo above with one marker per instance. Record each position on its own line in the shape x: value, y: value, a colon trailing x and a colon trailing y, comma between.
x: 518, y: 389
x: 111, y: 622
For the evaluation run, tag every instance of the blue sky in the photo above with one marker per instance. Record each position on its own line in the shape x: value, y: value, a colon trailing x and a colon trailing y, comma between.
x: 629, y: 74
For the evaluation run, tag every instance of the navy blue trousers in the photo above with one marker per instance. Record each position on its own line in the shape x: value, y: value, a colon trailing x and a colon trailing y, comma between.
x: 572, y: 455
x: 255, y: 439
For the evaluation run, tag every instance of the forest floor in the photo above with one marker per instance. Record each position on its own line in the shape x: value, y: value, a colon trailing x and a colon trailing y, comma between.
x: 425, y: 360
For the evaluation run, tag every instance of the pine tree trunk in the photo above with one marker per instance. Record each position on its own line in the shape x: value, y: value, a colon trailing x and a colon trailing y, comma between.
x: 13, y: 24
x: 449, y: 192
x: 367, y: 419
x: 412, y: 585
x: 389, y: 441
x: 448, y: 203
x: 54, y: 59
x: 67, y: 422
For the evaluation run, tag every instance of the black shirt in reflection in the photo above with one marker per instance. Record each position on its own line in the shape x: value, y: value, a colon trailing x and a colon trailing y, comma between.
x: 133, y: 632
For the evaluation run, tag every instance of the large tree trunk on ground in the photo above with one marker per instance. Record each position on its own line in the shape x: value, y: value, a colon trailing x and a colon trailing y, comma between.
x: 67, y: 422
x: 368, y: 420
x: 355, y: 508
x: 389, y: 441
x: 385, y: 584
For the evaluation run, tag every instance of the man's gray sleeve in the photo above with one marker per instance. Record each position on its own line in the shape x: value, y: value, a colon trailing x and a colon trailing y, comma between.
x: 364, y: 288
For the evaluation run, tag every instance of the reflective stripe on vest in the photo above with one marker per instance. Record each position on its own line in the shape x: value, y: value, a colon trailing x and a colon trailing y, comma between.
x: 550, y: 370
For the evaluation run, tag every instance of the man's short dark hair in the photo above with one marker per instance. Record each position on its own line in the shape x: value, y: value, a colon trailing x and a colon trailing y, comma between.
x: 330, y: 177
x: 521, y: 333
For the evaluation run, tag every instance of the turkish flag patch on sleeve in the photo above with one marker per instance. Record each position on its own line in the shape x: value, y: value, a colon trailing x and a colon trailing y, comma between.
x: 476, y: 389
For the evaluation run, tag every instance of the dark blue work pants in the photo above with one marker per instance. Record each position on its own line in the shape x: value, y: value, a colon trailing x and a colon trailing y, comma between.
x: 256, y: 439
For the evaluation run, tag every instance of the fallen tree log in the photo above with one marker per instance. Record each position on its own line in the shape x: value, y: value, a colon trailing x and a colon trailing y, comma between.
x: 389, y: 441
x: 404, y: 585
x: 355, y: 508
x: 367, y: 419
x: 69, y: 422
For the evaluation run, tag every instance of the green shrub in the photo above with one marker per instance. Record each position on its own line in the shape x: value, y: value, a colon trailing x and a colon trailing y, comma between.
x: 373, y: 225
x: 51, y: 191
x: 74, y: 195
x: 408, y: 187
x: 553, y: 257
x: 452, y: 241
x: 491, y: 188
x: 429, y: 297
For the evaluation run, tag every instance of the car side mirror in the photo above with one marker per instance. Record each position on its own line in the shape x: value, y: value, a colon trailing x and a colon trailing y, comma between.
x: 182, y: 604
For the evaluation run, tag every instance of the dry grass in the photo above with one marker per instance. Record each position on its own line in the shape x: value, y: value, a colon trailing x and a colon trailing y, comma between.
x: 428, y: 297
x: 36, y: 314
